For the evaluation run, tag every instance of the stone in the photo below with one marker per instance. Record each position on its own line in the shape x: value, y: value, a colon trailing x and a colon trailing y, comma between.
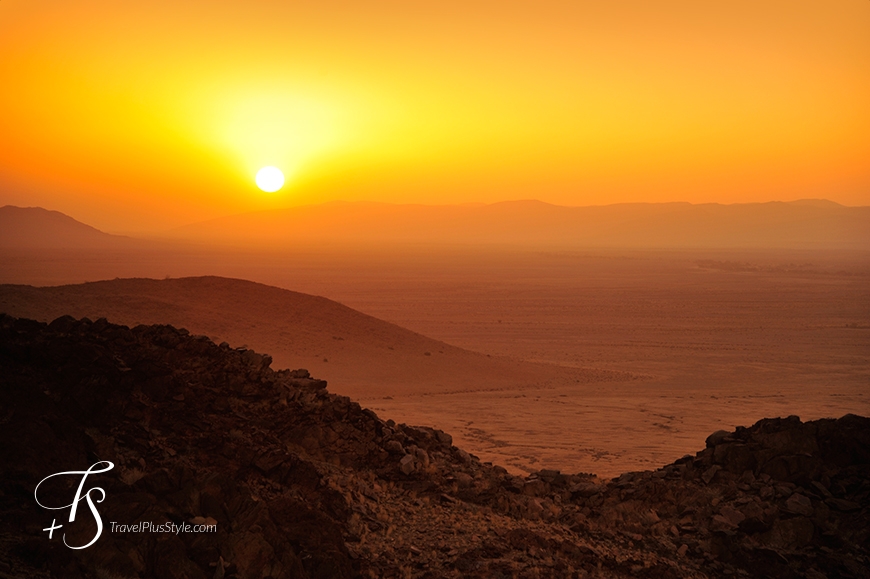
x: 794, y: 468
x: 534, y: 509
x: 444, y: 438
x: 799, y: 505
x: 464, y: 480
x: 535, y: 488
x: 585, y: 489
x: 253, y: 359
x: 735, y: 457
x: 789, y: 533
x: 733, y: 516
x: 843, y: 505
x: 717, y: 437
x: 720, y: 523
x: 822, y: 489
x: 406, y: 464
x: 394, y: 447
x: 422, y: 457
x: 710, y: 473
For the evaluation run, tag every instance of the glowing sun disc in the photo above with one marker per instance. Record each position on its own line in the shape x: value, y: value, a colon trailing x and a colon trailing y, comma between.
x: 270, y: 179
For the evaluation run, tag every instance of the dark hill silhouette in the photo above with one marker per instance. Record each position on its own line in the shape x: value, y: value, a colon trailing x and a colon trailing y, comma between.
x: 360, y: 354
x: 282, y: 477
x: 38, y: 228
x: 801, y: 224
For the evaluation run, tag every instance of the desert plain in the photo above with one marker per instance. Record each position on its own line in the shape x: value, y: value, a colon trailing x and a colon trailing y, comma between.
x: 584, y: 360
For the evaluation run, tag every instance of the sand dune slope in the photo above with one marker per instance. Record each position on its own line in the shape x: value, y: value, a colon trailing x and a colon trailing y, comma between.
x: 359, y: 355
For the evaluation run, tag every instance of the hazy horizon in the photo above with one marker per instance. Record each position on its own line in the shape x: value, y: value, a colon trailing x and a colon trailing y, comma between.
x: 164, y: 231
x: 529, y: 224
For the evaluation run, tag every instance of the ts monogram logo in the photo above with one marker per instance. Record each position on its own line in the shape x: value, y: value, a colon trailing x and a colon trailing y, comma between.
x: 78, y: 497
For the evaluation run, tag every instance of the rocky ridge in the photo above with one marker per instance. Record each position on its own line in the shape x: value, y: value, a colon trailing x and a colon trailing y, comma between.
x: 303, y: 483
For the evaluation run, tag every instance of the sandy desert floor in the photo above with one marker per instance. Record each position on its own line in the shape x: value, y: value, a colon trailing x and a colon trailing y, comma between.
x: 725, y: 340
x: 721, y: 339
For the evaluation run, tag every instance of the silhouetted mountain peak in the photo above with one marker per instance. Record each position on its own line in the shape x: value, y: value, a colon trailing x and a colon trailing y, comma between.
x: 35, y: 227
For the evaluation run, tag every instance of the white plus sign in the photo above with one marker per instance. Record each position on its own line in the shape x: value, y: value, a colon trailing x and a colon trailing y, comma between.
x: 52, y: 528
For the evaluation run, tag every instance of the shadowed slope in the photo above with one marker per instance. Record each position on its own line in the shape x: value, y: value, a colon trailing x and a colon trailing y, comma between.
x: 360, y: 355
x: 309, y: 485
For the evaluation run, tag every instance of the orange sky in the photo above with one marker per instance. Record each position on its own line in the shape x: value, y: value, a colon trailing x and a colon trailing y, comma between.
x: 133, y: 116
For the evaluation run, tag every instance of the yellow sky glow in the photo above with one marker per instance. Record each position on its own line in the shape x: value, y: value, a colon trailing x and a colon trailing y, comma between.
x: 137, y: 116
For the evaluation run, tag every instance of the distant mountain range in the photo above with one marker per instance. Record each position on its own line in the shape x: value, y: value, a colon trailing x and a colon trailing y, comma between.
x: 799, y: 224
x: 38, y: 228
x: 805, y: 224
x: 23, y: 227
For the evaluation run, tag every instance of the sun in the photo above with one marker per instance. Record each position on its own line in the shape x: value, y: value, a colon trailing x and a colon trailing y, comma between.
x: 270, y: 179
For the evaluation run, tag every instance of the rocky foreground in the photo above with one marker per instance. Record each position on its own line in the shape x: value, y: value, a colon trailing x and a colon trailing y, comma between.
x: 301, y: 483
